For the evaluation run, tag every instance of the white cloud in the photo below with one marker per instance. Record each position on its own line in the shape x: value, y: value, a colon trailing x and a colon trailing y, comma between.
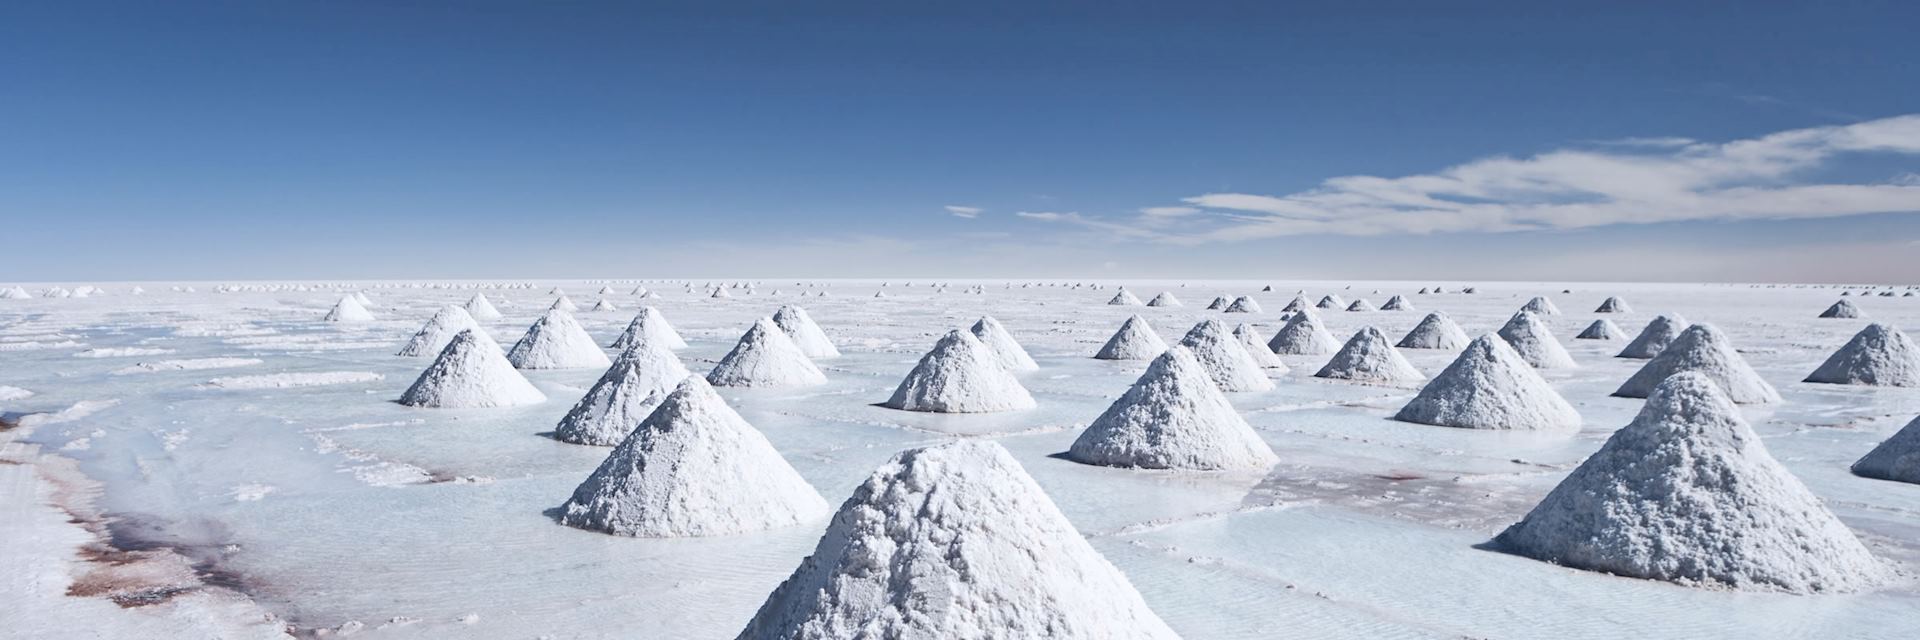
x: 1169, y: 212
x: 964, y: 212
x: 1665, y: 141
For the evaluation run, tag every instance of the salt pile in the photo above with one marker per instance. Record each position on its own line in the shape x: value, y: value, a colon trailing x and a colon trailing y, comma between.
x: 1303, y: 335
x: 648, y: 324
x: 1436, y: 331
x: 1125, y: 298
x: 1368, y: 357
x: 14, y: 293
x: 954, y: 540
x: 481, y: 308
x: 765, y: 357
x: 1331, y: 302
x: 721, y: 292
x: 808, y: 336
x: 960, y: 375
x: 471, y: 373
x: 557, y: 341
x: 1655, y: 337
x: 1243, y: 304
x: 1173, y: 417
x: 1706, y: 350
x: 564, y: 303
x: 692, y: 468
x: 1490, y: 387
x: 1613, y: 304
x: 1165, y: 299
x: 1219, y: 302
x: 1541, y: 305
x: 604, y: 304
x: 1897, y: 458
x: 438, y: 331
x: 1687, y: 493
x: 1135, y: 340
x: 623, y: 396
x: 1257, y: 347
x: 1535, y: 343
x: 1224, y: 359
x: 1601, y: 329
x: 1296, y: 304
x: 1879, y: 355
x: 348, y: 310
x: 1397, y: 303
x: 361, y: 297
x: 1842, y: 309
x: 605, y: 290
x: 1007, y: 350
x: 1360, y: 305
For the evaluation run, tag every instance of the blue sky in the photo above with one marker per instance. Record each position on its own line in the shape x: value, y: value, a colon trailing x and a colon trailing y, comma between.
x: 355, y: 138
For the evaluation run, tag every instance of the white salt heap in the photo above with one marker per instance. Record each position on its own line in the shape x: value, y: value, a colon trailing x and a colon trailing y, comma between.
x: 1303, y: 335
x: 1655, y: 337
x: 1331, y: 301
x: 640, y: 378
x: 1224, y: 359
x: 1541, y: 305
x: 438, y: 331
x: 1173, y: 417
x: 1897, y: 458
x: 1601, y: 329
x: 1135, y: 340
x: 1369, y: 357
x: 960, y: 375
x: 348, y: 310
x: 1126, y: 298
x: 1165, y: 299
x: 1436, y: 331
x: 1257, y: 347
x: 481, y: 308
x: 1490, y: 387
x: 1397, y: 303
x: 1687, y: 493
x: 1613, y: 304
x: 1299, y: 302
x: 1360, y: 305
x: 1219, y: 302
x: 808, y: 336
x: 1706, y: 350
x: 1879, y: 355
x: 1535, y: 343
x: 721, y: 292
x: 694, y: 467
x: 954, y: 541
x: 1007, y: 350
x: 648, y: 324
x: 765, y: 357
x: 557, y: 341
x: 604, y: 304
x: 1842, y: 309
x: 471, y: 373
x: 564, y: 303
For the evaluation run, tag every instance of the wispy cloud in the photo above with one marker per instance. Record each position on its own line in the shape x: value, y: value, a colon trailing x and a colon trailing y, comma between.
x: 964, y: 212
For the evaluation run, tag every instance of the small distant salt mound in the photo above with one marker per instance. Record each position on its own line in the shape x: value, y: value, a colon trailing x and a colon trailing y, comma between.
x: 556, y: 291
x: 1135, y: 340
x: 1490, y: 387
x: 1173, y: 417
x: 808, y: 336
x: 1687, y: 493
x: 636, y: 383
x: 1219, y: 303
x: 605, y: 291
x: 1842, y: 309
x: 1397, y: 303
x: 1257, y: 347
x: 557, y: 341
x: 1125, y: 298
x: 1879, y: 355
x: 1601, y: 329
x: 1224, y: 359
x: 960, y: 375
x: 481, y: 308
x: 1436, y: 331
x: 1897, y: 458
x: 604, y: 304
x: 639, y: 291
x: 1360, y: 305
x: 1005, y: 349
x: 471, y: 373
x: 720, y: 292
x: 1613, y: 304
x: 648, y: 324
x: 1303, y: 335
x: 1369, y: 357
x: 1655, y: 337
x: 765, y: 357
x: 1165, y: 299
x: 1331, y: 301
x: 1535, y: 343
x: 694, y: 467
x: 1541, y: 305
x: 14, y: 293
x: 954, y: 540
x: 438, y: 331
x: 348, y: 310
x: 1702, y: 348
x: 1243, y: 304
x: 1296, y: 304
x: 564, y: 303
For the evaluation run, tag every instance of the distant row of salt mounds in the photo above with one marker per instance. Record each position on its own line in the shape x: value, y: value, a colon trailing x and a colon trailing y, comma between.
x: 1489, y: 386
x: 1173, y: 417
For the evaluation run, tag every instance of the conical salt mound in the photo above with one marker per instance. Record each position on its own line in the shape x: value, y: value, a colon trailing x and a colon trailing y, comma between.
x: 471, y: 373
x: 639, y: 291
x: 1257, y: 347
x: 636, y: 383
x: 604, y: 304
x: 1360, y: 305
x: 1165, y: 299
x: 693, y: 467
x: 1173, y: 417
x: 361, y: 297
x: 1303, y: 336
x: 1219, y: 303
x: 1243, y: 304
x: 348, y: 310
x: 1602, y: 329
x: 557, y: 341
x: 1125, y: 298
x: 1135, y: 340
x: 1005, y: 349
x: 564, y: 303
x: 1706, y: 350
x: 1331, y: 302
x: 1541, y: 305
x: 438, y: 331
x: 605, y: 290
x: 1842, y: 309
x: 1535, y: 343
x: 808, y: 336
x: 1436, y: 331
x: 1369, y: 357
x: 1897, y: 459
x: 765, y: 357
x: 954, y: 540
x: 960, y: 375
x: 481, y: 308
x: 1878, y: 356
x: 1655, y: 337
x: 648, y: 324
x: 1490, y: 387
x: 1299, y: 302
x: 1613, y: 304
x: 1224, y: 359
x: 1687, y: 493
x: 1397, y: 303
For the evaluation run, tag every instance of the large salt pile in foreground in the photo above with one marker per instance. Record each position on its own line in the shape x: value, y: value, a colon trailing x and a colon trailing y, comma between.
x: 1165, y: 299
x: 348, y: 310
x: 1897, y: 459
x: 1303, y: 335
x: 471, y: 373
x: 1613, y: 304
x: 765, y: 357
x: 1135, y: 340
x: 557, y: 341
x: 1541, y: 305
x: 1687, y: 493
x: 1436, y: 331
x: 1655, y: 337
x: 623, y: 396
x: 481, y: 308
x: 1490, y: 387
x: 1257, y: 347
x: 648, y: 324
x: 808, y: 336
x: 1243, y: 304
x: 1173, y: 417
x: 1369, y: 357
x: 1125, y: 298
x: 1003, y: 346
x: 1601, y: 329
x: 1224, y: 359
x: 1535, y: 343
x: 960, y: 375
x: 692, y: 468
x: 1842, y: 309
x: 1704, y: 349
x: 954, y: 540
x: 1879, y: 355
x: 438, y: 331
